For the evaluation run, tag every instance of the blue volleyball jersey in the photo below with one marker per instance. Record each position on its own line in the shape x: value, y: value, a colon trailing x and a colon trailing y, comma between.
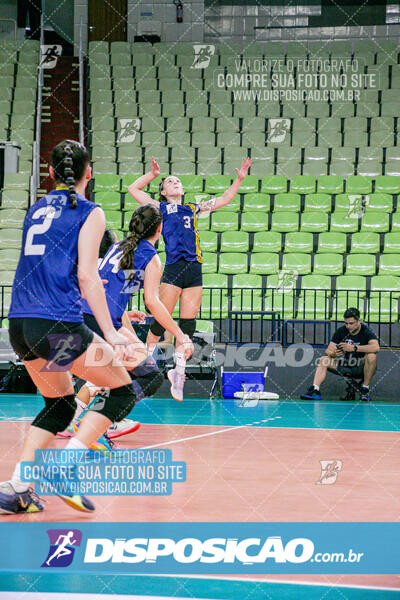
x: 118, y: 287
x: 46, y: 281
x: 180, y: 232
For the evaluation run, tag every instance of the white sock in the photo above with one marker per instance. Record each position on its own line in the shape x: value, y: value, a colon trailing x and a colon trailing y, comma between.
x: 316, y: 387
x: 75, y: 444
x: 18, y: 485
x: 365, y: 386
x: 180, y: 363
x: 81, y: 406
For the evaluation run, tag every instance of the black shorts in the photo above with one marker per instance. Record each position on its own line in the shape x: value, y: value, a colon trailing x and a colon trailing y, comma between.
x: 356, y: 372
x: 183, y: 274
x: 91, y: 322
x: 57, y: 341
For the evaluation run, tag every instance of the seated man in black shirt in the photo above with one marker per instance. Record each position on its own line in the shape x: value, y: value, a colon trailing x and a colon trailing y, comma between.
x: 353, y: 351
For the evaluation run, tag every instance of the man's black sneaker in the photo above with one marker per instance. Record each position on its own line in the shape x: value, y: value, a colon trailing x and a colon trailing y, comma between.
x: 364, y: 394
x: 311, y: 394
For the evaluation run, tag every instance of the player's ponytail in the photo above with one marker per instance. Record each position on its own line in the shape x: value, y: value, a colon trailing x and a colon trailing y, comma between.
x: 143, y: 224
x: 69, y: 161
x: 69, y: 176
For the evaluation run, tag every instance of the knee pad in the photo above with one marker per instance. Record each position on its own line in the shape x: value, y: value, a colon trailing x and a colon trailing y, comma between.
x: 57, y: 414
x: 157, y: 329
x: 188, y: 326
x: 146, y: 378
x: 117, y: 404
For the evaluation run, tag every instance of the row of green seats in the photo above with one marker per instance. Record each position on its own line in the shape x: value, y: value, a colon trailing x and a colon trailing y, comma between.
x: 268, y: 263
x: 266, y: 203
x: 272, y: 184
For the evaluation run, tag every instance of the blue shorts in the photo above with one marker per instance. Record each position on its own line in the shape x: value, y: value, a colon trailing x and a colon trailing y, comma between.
x: 183, y: 274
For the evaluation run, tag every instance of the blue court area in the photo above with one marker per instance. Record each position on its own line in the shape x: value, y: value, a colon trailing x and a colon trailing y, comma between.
x: 230, y: 413
x: 185, y: 588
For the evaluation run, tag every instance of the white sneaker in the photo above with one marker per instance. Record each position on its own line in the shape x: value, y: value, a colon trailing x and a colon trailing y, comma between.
x: 69, y: 432
x: 177, y: 382
x: 122, y: 428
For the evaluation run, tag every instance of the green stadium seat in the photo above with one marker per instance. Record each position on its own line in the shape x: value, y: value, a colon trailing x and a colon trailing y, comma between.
x: 396, y: 221
x: 107, y: 183
x: 299, y: 241
x: 382, y: 310
x: 343, y: 300
x: 113, y: 219
x: 285, y: 222
x: 315, y: 168
x: 273, y: 184
x: 321, y: 202
x: 196, y: 197
x: 213, y: 305
x: 341, y: 221
x: 247, y: 301
x: 365, y: 243
x: 204, y: 326
x: 287, y: 202
x: 256, y: 202
x: 328, y: 264
x: 283, y: 304
x: 264, y: 263
x: 351, y: 283
x: 104, y: 166
x: 209, y: 262
x: 385, y: 283
x: 192, y: 183
x: 14, y: 199
x: 302, y: 184
x: 392, y: 242
x: 318, y: 154
x: 380, y: 202
x: 369, y: 168
x: 204, y: 222
x: 361, y: 264
x: 7, y: 278
x: 109, y: 200
x: 10, y: 238
x: 249, y: 185
x: 209, y: 241
x: 127, y: 180
x: 248, y: 280
x: 330, y: 184
x: 9, y: 258
x: 254, y: 221
x: 316, y: 282
x: 232, y: 263
x: 389, y: 264
x: 216, y: 280
x: 389, y: 184
x: 392, y: 168
x: 12, y: 217
x: 267, y: 241
x: 16, y: 181
x: 233, y: 206
x: 373, y: 221
x: 315, y: 222
x: 300, y: 263
x: 223, y: 221
x: 216, y: 184
x: 313, y: 305
x: 359, y: 184
x: 234, y: 241
x: 332, y: 242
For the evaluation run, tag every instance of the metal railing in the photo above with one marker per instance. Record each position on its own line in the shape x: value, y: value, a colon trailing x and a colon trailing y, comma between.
x: 81, y: 89
x: 295, y: 316
x: 35, y: 177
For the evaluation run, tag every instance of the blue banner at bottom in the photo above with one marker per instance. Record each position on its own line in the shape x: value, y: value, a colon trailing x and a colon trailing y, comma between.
x: 201, y: 548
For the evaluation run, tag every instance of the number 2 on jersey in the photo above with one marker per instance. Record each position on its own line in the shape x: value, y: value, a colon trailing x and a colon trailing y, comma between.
x: 32, y: 249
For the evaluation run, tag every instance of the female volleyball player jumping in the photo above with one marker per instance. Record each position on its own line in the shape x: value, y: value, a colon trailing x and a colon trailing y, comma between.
x: 58, y: 262
x: 182, y: 278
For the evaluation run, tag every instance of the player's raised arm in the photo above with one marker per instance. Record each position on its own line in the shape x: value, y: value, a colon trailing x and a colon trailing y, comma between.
x: 156, y: 307
x: 136, y: 188
x: 215, y: 203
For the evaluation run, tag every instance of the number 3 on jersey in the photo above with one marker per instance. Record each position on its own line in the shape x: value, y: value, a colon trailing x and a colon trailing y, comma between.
x: 187, y: 222
x: 31, y: 249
